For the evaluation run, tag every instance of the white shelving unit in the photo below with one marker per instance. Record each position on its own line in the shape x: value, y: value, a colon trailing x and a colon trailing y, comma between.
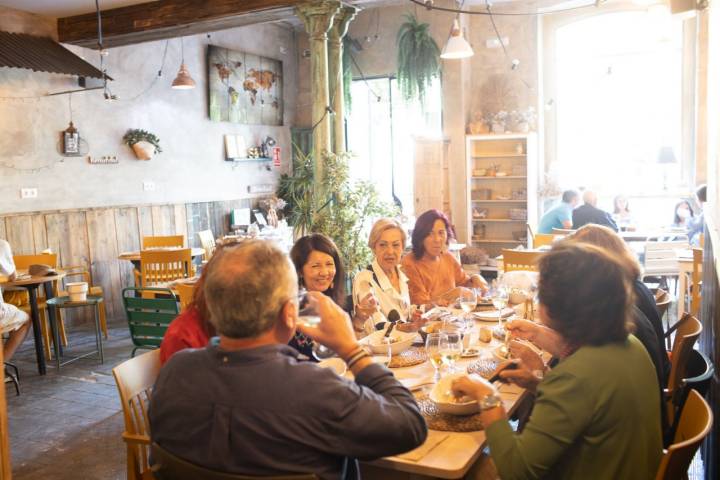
x: 501, y: 183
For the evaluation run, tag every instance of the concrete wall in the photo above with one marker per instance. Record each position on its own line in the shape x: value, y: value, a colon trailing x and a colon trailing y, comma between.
x: 468, y: 85
x: 191, y: 167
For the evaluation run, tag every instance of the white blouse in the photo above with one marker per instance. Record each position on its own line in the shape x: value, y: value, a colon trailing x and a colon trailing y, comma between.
x: 374, y: 280
x: 10, y: 316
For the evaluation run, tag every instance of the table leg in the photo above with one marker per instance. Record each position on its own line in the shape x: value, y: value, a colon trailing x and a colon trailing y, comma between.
x: 682, y: 289
x: 98, y: 333
x: 37, y: 337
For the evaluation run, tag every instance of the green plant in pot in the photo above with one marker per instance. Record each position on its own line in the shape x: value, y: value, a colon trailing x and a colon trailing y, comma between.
x: 342, y: 210
x: 418, y: 59
x: 143, y: 143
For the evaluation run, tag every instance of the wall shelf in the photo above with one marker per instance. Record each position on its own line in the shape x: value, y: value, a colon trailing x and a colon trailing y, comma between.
x: 508, y: 220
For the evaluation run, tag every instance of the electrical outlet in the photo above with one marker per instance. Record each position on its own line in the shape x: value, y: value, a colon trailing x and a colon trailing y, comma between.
x: 149, y: 186
x: 28, y: 193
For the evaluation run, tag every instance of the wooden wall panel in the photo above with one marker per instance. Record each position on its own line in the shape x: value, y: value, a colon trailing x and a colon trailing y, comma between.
x: 180, y: 222
x: 105, y: 264
x: 197, y: 218
x: 127, y: 230
x: 20, y: 234
x: 145, y: 222
x: 39, y: 232
x: 163, y: 219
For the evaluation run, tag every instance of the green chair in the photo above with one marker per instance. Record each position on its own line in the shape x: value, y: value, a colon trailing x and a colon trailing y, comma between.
x: 169, y: 467
x: 149, y: 312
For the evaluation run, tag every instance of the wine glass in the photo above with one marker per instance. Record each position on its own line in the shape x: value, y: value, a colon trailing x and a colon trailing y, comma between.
x: 451, y: 347
x: 432, y: 348
x: 385, y: 358
x: 467, y: 301
x: 500, y: 296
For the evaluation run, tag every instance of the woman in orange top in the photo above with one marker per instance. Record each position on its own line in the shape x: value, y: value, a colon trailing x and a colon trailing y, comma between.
x: 431, y: 270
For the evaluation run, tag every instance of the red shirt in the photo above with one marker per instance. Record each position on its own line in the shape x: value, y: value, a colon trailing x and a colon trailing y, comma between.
x: 186, y: 331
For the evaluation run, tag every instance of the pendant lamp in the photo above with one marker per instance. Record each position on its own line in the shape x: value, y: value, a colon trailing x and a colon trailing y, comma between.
x: 183, y: 81
x: 456, y: 46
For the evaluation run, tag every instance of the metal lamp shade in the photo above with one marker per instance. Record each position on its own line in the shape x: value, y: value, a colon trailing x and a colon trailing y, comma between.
x: 183, y: 81
x: 456, y: 46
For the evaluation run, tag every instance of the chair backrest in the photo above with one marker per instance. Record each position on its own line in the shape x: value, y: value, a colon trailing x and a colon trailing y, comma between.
x: 520, y: 260
x: 163, y: 241
x: 207, y: 240
x: 185, y: 293
x: 694, y: 425
x: 662, y: 301
x: 686, y: 335
x: 167, y: 466
x: 23, y: 262
x: 696, y: 279
x: 148, y: 318
x: 563, y: 231
x: 542, y: 239
x: 75, y: 273
x: 161, y: 266
x: 135, y: 379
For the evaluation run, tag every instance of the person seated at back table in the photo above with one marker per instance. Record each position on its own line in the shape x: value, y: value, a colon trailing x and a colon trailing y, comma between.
x: 432, y: 271
x: 589, y: 213
x: 13, y: 321
x: 560, y: 216
x: 621, y: 214
x: 246, y: 405
x: 697, y: 224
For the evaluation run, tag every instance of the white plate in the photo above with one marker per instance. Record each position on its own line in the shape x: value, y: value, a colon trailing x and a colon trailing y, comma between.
x: 335, y: 364
x: 492, y: 315
x: 497, y: 353
x: 470, y: 352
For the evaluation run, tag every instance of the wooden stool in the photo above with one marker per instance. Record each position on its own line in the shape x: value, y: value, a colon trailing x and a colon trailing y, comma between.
x: 64, y: 302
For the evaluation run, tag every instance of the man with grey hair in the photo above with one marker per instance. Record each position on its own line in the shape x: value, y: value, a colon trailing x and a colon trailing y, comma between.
x: 246, y: 405
x: 589, y: 213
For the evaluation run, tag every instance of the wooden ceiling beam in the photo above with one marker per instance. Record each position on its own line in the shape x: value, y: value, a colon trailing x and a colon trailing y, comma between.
x: 163, y: 19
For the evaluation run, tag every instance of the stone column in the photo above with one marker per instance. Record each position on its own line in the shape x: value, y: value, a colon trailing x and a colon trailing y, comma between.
x: 335, y: 74
x: 317, y: 17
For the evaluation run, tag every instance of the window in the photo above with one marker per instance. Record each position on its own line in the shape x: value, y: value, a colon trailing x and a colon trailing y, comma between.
x: 381, y: 132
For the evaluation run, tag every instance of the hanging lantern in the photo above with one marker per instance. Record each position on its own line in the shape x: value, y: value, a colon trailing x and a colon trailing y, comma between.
x: 71, y: 140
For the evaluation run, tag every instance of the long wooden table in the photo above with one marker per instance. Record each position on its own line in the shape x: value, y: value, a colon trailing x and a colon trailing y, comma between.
x: 458, y: 452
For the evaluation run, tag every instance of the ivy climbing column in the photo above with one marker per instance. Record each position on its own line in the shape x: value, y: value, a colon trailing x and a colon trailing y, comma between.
x: 318, y: 17
x: 335, y: 68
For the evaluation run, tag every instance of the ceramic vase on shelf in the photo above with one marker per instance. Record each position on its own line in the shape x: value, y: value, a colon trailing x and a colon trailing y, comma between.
x: 498, y: 127
x: 143, y: 150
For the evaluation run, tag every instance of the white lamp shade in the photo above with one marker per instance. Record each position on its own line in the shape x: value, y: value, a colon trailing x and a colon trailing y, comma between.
x: 457, y: 46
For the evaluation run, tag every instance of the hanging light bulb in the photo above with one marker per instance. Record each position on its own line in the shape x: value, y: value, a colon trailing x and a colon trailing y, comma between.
x: 456, y: 46
x: 183, y: 81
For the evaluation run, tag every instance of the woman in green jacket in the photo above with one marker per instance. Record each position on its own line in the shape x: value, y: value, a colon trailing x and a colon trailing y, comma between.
x: 595, y: 414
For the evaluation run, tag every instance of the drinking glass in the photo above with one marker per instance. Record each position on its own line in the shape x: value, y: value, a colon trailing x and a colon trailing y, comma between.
x: 451, y: 347
x: 432, y: 348
x: 307, y: 314
x: 500, y: 297
x: 466, y: 301
x: 385, y: 357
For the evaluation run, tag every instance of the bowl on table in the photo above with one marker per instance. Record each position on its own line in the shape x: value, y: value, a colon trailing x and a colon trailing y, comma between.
x: 399, y: 341
x: 446, y: 402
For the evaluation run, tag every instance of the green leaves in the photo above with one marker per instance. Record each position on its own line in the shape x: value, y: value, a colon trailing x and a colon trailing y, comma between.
x: 134, y: 135
x: 418, y: 59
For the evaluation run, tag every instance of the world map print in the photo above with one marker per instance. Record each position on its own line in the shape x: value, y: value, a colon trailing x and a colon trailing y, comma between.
x: 244, y: 88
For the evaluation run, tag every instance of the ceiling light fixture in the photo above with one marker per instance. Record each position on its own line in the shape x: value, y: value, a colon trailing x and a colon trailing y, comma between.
x: 183, y: 81
x: 456, y: 46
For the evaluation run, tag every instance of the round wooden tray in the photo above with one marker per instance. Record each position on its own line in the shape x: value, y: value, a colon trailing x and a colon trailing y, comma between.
x: 444, y: 422
x: 408, y: 358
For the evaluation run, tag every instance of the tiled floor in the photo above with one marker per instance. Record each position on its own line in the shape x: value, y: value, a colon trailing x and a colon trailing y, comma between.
x: 67, y: 425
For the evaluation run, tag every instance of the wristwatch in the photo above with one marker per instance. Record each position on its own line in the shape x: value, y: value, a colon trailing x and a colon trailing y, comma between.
x: 489, y: 401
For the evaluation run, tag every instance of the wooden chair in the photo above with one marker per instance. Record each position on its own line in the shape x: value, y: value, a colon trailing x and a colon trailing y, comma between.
x: 695, y: 423
x: 696, y: 281
x: 135, y: 379
x: 542, y: 239
x: 185, y: 293
x: 163, y: 241
x: 207, y: 240
x: 148, y: 318
x: 170, y: 467
x: 662, y: 303
x: 687, y: 330
x: 85, y: 276
x: 699, y: 373
x: 563, y: 231
x: 520, y: 260
x: 23, y: 262
x: 161, y: 266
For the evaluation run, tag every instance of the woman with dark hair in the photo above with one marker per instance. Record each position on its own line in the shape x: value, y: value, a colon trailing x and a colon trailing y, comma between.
x: 431, y: 270
x: 683, y: 214
x: 192, y: 328
x: 320, y: 269
x: 596, y: 411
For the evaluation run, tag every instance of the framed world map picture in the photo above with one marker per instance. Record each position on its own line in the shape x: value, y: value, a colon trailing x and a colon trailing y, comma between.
x: 244, y: 88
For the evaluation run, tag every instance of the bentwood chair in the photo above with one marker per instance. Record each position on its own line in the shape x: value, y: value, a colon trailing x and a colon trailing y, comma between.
x: 563, y: 231
x: 135, y: 379
x: 163, y: 241
x: 696, y: 281
x: 695, y: 423
x: 520, y: 260
x: 149, y: 317
x: 167, y: 466
x: 158, y: 267
x: 94, y: 290
x: 662, y: 303
x: 207, y: 241
x: 687, y: 330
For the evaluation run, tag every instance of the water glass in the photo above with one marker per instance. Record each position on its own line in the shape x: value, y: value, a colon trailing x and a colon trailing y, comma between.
x: 451, y: 347
x: 307, y: 314
x: 432, y: 348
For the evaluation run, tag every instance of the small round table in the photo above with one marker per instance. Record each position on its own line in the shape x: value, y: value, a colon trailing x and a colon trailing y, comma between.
x: 65, y: 302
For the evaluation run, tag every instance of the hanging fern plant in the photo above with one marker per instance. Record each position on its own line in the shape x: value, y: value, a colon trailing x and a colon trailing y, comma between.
x: 418, y: 60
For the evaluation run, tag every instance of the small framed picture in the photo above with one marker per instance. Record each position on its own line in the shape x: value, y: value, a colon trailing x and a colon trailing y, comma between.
x: 260, y: 218
x: 71, y: 142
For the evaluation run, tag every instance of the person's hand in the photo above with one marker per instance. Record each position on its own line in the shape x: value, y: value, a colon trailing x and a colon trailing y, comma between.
x: 521, y: 375
x: 476, y: 281
x: 527, y: 355
x: 415, y: 323
x: 524, y: 329
x: 367, y: 306
x: 335, y: 329
x: 473, y: 386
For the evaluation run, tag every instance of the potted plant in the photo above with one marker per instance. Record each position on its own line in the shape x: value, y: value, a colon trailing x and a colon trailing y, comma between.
x: 418, y: 59
x: 143, y: 143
